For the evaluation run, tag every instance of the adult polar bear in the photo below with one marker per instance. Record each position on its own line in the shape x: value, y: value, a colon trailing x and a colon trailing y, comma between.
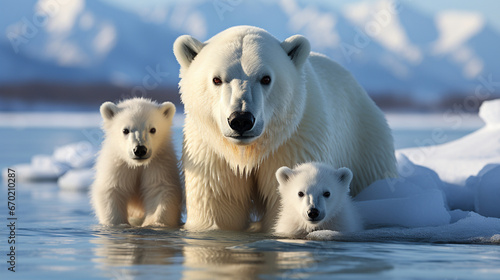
x: 254, y: 104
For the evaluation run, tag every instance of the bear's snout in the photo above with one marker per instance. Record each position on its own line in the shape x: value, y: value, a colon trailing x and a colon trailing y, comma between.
x: 140, y: 151
x: 313, y: 213
x: 241, y: 122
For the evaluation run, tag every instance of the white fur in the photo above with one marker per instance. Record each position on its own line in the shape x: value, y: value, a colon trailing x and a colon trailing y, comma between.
x: 125, y: 185
x: 313, y: 181
x: 313, y: 110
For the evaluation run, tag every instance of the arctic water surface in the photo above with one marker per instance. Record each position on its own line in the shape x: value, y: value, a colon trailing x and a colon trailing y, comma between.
x: 57, y: 237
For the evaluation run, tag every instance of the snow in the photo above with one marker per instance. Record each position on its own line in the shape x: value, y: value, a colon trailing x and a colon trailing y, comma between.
x: 380, y: 20
x: 414, y: 199
x: 455, y: 27
x: 472, y: 228
x: 318, y: 25
x: 60, y: 17
x: 467, y: 155
x: 444, y: 193
x: 489, y: 114
x: 77, y: 179
x: 487, y: 195
x: 75, y: 156
x: 41, y: 168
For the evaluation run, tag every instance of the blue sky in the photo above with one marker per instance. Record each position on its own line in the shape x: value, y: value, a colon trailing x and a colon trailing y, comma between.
x: 489, y: 8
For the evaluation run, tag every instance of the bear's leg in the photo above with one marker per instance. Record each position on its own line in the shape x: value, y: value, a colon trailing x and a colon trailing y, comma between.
x: 267, y: 200
x: 270, y: 215
x: 110, y: 207
x: 162, y: 204
x: 217, y: 202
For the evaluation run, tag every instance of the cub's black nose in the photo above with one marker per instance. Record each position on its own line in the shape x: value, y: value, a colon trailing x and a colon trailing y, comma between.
x: 241, y: 121
x: 140, y: 151
x: 313, y: 213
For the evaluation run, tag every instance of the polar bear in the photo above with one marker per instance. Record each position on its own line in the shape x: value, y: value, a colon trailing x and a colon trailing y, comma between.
x: 315, y: 196
x: 254, y: 104
x: 136, y: 171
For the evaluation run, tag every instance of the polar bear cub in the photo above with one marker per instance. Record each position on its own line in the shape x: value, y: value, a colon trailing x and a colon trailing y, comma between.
x: 315, y: 196
x: 137, y: 177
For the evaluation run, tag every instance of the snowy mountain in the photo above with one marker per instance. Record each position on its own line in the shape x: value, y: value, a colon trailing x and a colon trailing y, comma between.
x: 389, y: 48
x: 84, y: 41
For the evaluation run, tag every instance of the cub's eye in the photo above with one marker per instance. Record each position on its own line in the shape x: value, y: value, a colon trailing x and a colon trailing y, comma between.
x: 326, y: 194
x: 152, y: 130
x: 301, y: 194
x: 265, y: 80
x: 217, y: 81
x: 126, y: 131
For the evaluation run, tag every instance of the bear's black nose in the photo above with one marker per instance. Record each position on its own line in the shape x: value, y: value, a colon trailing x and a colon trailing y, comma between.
x: 241, y: 121
x: 313, y: 213
x: 140, y: 151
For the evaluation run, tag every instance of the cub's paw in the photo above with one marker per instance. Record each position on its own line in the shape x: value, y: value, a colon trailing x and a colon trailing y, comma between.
x: 324, y: 235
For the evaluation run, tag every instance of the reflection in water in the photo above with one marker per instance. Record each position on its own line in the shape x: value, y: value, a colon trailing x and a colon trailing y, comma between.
x: 123, y: 253
x: 119, y: 251
x: 210, y: 255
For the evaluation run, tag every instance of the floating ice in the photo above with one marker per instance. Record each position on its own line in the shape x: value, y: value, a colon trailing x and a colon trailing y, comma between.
x: 468, y: 166
x: 76, y: 179
x: 422, y: 210
x: 445, y: 193
x: 41, y: 168
x: 415, y: 199
x: 487, y: 191
x: 456, y: 161
x: 77, y: 155
x: 490, y: 112
x: 473, y: 228
x: 51, y: 167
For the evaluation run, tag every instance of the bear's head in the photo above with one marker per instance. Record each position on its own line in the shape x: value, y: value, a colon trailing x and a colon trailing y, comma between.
x: 243, y: 87
x: 137, y: 129
x: 313, y: 191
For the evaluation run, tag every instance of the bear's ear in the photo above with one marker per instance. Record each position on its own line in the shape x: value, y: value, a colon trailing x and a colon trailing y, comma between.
x: 283, y: 174
x: 344, y: 175
x: 186, y: 48
x: 297, y: 48
x: 108, y: 110
x: 168, y: 109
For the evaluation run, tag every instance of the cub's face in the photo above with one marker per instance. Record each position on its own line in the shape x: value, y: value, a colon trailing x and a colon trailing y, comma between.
x: 312, y: 191
x: 137, y: 130
x: 241, y: 81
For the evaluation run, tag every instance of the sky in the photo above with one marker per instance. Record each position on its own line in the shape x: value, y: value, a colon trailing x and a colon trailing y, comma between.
x: 489, y: 8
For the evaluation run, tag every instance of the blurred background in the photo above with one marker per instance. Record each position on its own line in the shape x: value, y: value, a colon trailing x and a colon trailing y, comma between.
x: 71, y: 55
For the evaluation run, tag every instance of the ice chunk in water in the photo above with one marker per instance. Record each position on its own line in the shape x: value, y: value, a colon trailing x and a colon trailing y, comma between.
x: 490, y: 112
x: 77, y: 155
x: 77, y: 179
x: 487, y: 191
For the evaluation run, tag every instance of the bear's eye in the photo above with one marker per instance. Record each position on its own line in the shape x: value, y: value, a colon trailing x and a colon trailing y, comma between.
x: 265, y: 80
x: 152, y: 130
x: 217, y: 81
x: 301, y: 194
x: 326, y: 194
x: 126, y: 131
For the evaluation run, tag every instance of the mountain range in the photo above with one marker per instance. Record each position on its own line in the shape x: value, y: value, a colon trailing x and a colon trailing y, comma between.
x: 390, y: 47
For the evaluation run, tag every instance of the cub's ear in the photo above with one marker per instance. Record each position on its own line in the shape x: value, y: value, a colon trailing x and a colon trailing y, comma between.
x: 186, y: 48
x: 344, y: 175
x: 283, y: 174
x: 168, y: 109
x: 108, y: 110
x: 297, y: 48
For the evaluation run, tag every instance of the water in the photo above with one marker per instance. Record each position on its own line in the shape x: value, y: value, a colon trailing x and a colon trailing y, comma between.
x: 57, y: 238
